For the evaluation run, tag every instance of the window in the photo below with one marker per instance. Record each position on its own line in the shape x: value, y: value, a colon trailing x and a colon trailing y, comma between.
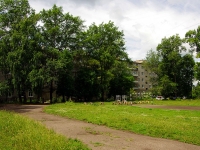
x: 142, y: 86
x: 135, y: 72
x: 142, y: 73
x: 142, y: 79
x: 30, y: 94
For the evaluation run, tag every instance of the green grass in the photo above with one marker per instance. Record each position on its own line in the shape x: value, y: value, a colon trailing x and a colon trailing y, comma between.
x: 20, y: 133
x: 177, y: 102
x: 179, y: 125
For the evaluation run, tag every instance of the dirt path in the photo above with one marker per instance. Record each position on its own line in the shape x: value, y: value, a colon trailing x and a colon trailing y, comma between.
x: 171, y: 107
x: 98, y: 137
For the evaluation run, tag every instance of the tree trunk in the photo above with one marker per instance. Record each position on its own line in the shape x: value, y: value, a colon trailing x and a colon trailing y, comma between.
x: 25, y: 99
x: 102, y: 95
x: 63, y: 98
x: 51, y: 92
x: 19, y: 93
x: 20, y: 98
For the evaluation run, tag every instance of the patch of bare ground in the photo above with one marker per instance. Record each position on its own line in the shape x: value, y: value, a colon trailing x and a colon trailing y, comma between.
x: 171, y: 107
x: 95, y: 136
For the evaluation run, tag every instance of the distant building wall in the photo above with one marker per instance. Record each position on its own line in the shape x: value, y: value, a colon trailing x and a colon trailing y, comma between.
x: 142, y: 79
x: 13, y: 96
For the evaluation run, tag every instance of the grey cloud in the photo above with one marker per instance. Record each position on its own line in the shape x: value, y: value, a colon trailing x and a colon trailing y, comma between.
x: 117, y: 14
x: 85, y: 2
x: 88, y: 3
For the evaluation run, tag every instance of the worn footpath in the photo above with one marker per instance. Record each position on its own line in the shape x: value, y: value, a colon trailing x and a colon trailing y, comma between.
x: 95, y: 136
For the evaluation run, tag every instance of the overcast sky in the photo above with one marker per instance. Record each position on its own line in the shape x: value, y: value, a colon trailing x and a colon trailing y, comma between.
x: 144, y: 22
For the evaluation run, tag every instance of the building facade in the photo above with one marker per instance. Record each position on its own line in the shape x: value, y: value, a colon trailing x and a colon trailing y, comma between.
x: 12, y: 95
x: 142, y: 79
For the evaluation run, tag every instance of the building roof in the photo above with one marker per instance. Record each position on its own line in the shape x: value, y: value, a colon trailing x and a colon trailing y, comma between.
x: 139, y: 61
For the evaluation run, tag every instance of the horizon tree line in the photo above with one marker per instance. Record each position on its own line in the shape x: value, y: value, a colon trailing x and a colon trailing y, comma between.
x: 54, y: 51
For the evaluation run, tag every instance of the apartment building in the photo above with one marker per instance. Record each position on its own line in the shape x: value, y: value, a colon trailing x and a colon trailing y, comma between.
x: 13, y: 96
x: 142, y: 78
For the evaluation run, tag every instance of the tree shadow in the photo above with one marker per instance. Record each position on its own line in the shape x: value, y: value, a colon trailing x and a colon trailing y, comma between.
x: 18, y: 108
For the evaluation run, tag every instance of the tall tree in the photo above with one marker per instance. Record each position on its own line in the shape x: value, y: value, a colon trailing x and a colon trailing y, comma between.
x: 122, y: 81
x: 105, y: 44
x: 170, y: 52
x: 65, y: 84
x: 60, y: 32
x: 18, y: 25
x: 185, y: 82
x: 197, y: 70
x: 152, y: 63
x: 192, y: 37
x: 173, y: 70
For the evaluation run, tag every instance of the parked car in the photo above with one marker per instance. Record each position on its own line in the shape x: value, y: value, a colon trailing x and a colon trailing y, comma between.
x: 159, y: 97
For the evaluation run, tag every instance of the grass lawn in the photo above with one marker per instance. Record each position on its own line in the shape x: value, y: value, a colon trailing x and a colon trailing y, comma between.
x: 20, y: 133
x: 181, y: 125
x: 177, y: 102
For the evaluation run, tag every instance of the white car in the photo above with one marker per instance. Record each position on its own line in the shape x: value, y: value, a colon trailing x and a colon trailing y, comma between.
x: 159, y: 97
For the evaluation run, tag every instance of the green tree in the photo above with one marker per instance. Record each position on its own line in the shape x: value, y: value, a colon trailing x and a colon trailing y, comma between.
x: 87, y: 83
x: 170, y: 52
x: 197, y: 70
x: 123, y: 80
x: 185, y: 81
x: 60, y: 32
x: 152, y: 63
x: 65, y: 84
x: 173, y: 70
x: 105, y: 44
x: 192, y: 37
x: 18, y: 28
x: 196, y: 91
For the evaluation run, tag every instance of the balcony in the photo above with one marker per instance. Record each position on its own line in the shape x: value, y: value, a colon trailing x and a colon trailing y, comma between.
x: 135, y: 88
x: 135, y: 74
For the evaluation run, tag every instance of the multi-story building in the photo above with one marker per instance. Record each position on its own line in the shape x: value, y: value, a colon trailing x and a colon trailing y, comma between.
x: 13, y: 96
x: 142, y: 78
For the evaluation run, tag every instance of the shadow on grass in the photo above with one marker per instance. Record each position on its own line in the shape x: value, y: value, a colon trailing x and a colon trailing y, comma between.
x: 19, y: 108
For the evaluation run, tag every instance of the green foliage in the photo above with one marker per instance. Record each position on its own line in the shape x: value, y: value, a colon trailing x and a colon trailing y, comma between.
x: 192, y: 37
x: 65, y: 83
x: 51, y: 51
x: 182, y: 125
x: 60, y: 32
x: 104, y: 45
x: 122, y: 81
x: 18, y: 41
x: 17, y: 132
x: 196, y: 91
x: 173, y: 71
x: 4, y: 88
x: 197, y: 70
x: 167, y: 87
